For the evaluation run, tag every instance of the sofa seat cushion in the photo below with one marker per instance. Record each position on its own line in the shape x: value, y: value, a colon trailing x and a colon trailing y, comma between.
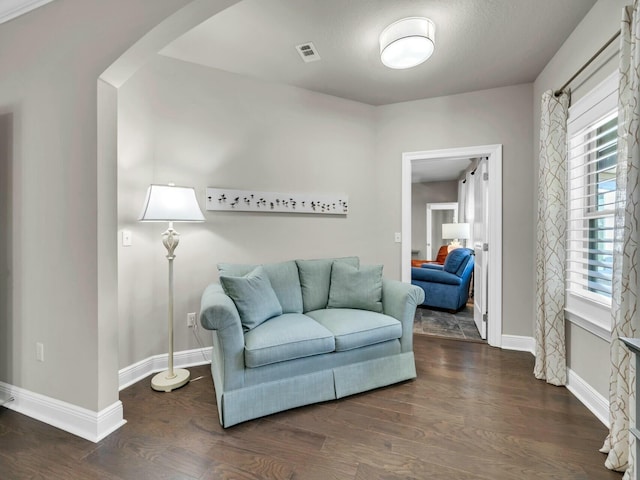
x: 357, y: 328
x: 286, y: 337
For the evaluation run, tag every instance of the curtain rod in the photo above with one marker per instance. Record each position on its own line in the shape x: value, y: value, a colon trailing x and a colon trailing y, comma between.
x: 602, y: 49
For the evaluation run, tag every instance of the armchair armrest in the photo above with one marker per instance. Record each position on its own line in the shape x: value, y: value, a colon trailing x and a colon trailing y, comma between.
x: 400, y: 300
x: 435, y: 276
x: 433, y: 266
x: 219, y: 313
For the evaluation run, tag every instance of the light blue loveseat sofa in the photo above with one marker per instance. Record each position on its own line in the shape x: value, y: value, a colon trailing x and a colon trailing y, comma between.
x: 299, y: 332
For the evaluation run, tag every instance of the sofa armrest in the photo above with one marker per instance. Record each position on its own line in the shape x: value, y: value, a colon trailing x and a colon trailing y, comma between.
x: 400, y: 300
x: 219, y: 313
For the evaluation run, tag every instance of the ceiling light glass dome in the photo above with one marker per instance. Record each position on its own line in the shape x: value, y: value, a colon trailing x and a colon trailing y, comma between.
x: 407, y: 42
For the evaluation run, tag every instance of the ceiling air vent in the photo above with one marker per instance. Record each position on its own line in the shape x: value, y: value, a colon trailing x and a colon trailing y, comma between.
x: 308, y: 52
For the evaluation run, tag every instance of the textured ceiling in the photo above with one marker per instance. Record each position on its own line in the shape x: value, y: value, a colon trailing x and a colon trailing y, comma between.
x: 480, y: 44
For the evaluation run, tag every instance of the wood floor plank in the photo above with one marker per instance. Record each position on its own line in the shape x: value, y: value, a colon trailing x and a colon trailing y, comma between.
x: 474, y: 412
x: 415, y: 470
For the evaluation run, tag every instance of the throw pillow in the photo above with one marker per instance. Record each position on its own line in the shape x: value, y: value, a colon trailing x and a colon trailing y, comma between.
x: 315, y: 278
x: 283, y: 277
x: 254, y: 298
x: 356, y: 288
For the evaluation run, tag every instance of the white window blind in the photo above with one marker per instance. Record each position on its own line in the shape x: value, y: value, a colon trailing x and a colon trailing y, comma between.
x: 591, y: 190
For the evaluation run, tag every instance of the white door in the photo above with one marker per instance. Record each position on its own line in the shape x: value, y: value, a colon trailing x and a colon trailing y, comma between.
x: 437, y: 214
x: 480, y: 237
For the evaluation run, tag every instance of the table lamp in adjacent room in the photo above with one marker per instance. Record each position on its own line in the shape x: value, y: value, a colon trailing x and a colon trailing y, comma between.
x: 455, y: 232
x: 169, y: 203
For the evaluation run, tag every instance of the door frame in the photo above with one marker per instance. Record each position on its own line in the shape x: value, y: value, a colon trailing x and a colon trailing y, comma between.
x: 430, y: 208
x: 494, y: 284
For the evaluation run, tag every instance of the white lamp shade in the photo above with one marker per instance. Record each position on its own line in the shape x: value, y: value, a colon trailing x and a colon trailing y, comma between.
x: 455, y: 230
x: 168, y: 203
x: 407, y: 42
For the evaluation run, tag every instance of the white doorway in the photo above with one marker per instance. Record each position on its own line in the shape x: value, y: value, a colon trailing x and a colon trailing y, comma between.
x: 437, y: 214
x: 492, y: 287
x: 480, y: 241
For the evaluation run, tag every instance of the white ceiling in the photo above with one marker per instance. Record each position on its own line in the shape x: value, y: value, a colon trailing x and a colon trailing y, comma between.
x: 480, y: 44
x: 438, y: 169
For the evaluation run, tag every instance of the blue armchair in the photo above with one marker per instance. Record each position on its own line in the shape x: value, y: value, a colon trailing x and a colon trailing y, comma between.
x: 446, y: 286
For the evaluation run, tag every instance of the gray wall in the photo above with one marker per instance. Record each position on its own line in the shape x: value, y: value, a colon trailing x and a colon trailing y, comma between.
x: 501, y: 115
x: 421, y: 194
x: 6, y: 244
x: 203, y: 127
x: 50, y: 61
x: 588, y: 355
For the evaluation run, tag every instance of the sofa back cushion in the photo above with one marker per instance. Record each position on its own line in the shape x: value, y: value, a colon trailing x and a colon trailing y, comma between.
x: 456, y: 261
x: 283, y: 277
x: 315, y: 279
x: 356, y: 288
x: 254, y: 298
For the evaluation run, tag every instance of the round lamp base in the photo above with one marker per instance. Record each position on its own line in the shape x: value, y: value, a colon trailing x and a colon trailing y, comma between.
x: 163, y: 383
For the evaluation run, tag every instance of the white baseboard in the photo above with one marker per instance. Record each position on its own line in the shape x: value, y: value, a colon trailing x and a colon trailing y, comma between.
x: 519, y: 343
x: 90, y: 425
x: 590, y: 398
x: 157, y: 363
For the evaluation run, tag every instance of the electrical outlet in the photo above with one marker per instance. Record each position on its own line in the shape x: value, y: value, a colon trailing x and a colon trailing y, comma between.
x: 127, y: 238
x: 191, y: 319
x: 40, y: 352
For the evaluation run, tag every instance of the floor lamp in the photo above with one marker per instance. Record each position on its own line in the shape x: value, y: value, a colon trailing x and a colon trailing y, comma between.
x: 168, y: 203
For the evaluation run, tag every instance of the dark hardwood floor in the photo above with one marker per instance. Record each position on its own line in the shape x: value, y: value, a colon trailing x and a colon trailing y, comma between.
x: 474, y: 412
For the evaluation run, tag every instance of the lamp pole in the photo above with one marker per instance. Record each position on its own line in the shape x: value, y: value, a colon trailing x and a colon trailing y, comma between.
x: 170, y: 379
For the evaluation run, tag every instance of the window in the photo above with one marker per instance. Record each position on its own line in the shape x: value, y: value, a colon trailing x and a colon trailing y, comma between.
x: 592, y: 138
x: 591, y: 203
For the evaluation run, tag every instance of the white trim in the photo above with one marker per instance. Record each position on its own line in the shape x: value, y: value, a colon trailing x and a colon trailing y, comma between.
x: 588, y: 325
x: 519, y: 343
x: 494, y: 152
x: 429, y: 252
x: 600, y: 100
x: 87, y: 424
x: 579, y: 388
x: 590, y: 311
x: 90, y: 425
x: 157, y: 363
x: 590, y: 398
x: 10, y: 9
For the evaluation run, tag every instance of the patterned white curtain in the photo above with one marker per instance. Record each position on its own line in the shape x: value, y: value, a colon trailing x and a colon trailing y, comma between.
x: 626, y: 259
x: 551, y: 362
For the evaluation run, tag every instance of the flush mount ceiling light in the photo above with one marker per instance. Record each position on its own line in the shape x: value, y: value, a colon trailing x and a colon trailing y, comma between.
x: 407, y: 42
